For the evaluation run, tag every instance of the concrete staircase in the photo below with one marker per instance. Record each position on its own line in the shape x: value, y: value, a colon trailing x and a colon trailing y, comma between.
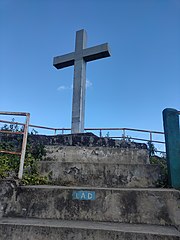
x: 99, y: 193
x: 99, y: 167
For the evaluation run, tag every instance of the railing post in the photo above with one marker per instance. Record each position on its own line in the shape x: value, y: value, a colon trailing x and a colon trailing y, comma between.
x: 100, y: 133
x: 150, y: 137
x: 124, y: 134
x: 24, y: 146
x: 172, y: 139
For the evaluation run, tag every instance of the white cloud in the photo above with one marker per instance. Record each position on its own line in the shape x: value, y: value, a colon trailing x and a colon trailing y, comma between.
x: 61, y: 88
x: 88, y: 83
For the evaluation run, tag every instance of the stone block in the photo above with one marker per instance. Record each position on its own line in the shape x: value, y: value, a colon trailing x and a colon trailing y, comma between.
x: 137, y: 206
x: 7, y: 194
x: 100, y: 174
x: 31, y: 229
x: 96, y: 154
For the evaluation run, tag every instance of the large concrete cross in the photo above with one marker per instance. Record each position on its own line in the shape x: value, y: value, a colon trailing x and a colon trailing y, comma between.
x: 78, y: 58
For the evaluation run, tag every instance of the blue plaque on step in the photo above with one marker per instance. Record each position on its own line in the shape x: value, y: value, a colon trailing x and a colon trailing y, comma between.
x: 84, y: 195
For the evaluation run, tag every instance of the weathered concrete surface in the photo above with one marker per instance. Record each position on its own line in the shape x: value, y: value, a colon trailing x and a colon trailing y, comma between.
x: 85, y: 139
x: 96, y: 154
x: 31, y: 229
x: 101, y: 174
x: 7, y: 194
x: 149, y: 206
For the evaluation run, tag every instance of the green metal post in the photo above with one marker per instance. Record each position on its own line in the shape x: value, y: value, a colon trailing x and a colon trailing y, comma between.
x: 172, y: 139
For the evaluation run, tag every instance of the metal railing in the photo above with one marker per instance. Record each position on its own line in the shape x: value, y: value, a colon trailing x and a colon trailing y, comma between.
x: 24, y: 141
x: 121, y: 133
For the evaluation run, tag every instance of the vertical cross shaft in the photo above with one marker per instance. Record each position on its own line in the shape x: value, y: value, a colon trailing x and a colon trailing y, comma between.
x: 79, y: 59
x: 79, y: 84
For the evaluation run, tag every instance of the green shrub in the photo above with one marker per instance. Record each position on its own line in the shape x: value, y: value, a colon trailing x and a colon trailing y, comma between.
x: 161, y: 161
x: 9, y: 164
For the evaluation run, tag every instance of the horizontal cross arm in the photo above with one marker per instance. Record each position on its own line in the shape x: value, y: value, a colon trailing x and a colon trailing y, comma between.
x: 63, y: 61
x: 97, y: 52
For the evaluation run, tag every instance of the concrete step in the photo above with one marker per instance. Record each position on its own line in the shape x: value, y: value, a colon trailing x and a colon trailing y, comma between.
x: 101, y: 174
x: 30, y: 229
x: 146, y: 206
x: 96, y: 154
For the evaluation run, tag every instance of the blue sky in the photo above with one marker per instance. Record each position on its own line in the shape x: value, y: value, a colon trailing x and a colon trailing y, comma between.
x: 129, y: 89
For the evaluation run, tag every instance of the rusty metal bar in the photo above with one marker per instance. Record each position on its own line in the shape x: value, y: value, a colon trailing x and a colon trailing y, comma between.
x: 139, y: 130
x: 48, y: 128
x: 10, y: 122
x: 14, y: 113
x: 128, y: 129
x: 10, y: 132
x: 24, y: 147
x: 147, y: 140
x: 140, y: 139
x: 14, y: 153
